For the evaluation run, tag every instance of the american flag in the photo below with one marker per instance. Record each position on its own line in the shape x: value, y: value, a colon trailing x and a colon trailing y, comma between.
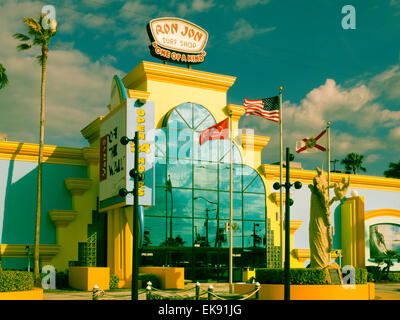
x: 267, y: 108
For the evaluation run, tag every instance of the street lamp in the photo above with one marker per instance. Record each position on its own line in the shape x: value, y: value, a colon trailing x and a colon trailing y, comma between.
x: 289, y: 202
x: 134, y: 173
x: 217, y: 241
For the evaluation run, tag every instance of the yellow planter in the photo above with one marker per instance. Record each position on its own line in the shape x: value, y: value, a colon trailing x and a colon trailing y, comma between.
x: 34, y: 294
x: 84, y: 278
x: 312, y: 292
x: 170, y: 278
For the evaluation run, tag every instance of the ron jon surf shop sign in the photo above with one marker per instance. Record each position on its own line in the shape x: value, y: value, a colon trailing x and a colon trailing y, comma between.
x: 177, y: 40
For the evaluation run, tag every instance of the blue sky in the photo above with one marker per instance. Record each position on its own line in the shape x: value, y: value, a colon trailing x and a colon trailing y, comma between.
x: 349, y: 77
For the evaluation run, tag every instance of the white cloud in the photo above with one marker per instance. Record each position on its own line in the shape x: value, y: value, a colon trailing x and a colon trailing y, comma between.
x: 77, y: 88
x: 241, y: 4
x: 195, y: 6
x: 242, y: 30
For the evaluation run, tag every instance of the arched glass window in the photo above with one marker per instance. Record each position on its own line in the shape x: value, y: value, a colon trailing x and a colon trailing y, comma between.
x: 192, y: 188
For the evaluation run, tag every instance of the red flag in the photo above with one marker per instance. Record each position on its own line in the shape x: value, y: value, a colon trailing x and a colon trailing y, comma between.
x: 217, y: 131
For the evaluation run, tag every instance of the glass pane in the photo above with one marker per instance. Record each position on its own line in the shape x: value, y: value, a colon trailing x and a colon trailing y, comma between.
x: 203, y: 201
x: 224, y: 173
x: 160, y: 139
x: 161, y: 171
x: 205, y: 176
x: 180, y: 144
x: 181, y: 232
x: 238, y: 234
x: 175, y: 121
x: 224, y: 152
x: 180, y: 173
x: 253, y: 206
x: 205, y: 233
x: 254, y: 234
x: 252, y: 182
x: 206, y: 123
x: 199, y: 115
x: 181, y: 202
x: 185, y: 110
x: 224, y: 205
x: 154, y: 231
x: 208, y: 151
x: 159, y: 208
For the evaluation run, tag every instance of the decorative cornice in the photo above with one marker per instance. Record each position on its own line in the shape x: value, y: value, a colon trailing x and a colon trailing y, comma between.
x: 271, y: 172
x: 62, y: 218
x: 276, y: 197
x: 138, y: 94
x: 295, y: 225
x: 146, y: 71
x: 235, y: 111
x: 78, y: 186
x: 20, y: 151
x: 253, y: 142
x: 91, y: 155
x: 46, y: 251
x: 92, y: 131
x: 381, y: 213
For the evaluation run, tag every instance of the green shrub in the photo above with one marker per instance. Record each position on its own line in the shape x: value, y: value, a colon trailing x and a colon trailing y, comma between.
x: 114, y: 280
x: 361, y: 275
x: 394, y: 276
x: 146, y: 277
x: 296, y: 276
x: 15, y: 281
x: 62, y: 281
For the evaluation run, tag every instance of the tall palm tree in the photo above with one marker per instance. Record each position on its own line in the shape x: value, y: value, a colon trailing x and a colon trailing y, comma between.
x: 353, y: 162
x: 394, y: 171
x: 38, y: 35
x: 3, y: 77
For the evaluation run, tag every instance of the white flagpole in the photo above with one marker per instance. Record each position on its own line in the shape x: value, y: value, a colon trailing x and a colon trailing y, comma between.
x: 328, y: 154
x: 230, y: 208
x: 281, y: 177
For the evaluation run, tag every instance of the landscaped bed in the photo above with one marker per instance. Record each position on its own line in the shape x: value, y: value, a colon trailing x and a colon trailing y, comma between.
x: 18, y: 285
x: 309, y: 284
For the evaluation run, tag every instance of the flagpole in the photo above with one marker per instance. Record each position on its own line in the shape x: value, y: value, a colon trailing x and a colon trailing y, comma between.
x: 281, y: 177
x: 328, y: 154
x: 230, y: 208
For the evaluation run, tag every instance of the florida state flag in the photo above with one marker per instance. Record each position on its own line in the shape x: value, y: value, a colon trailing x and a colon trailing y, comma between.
x: 215, y: 132
x: 315, y: 143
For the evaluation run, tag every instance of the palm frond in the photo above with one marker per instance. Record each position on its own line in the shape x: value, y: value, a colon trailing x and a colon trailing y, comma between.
x: 23, y: 46
x: 21, y: 37
x: 33, y: 24
x: 3, y: 77
x: 39, y: 59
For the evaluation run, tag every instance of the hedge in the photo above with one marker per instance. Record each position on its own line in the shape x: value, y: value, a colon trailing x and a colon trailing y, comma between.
x: 15, y: 281
x: 297, y: 276
x: 114, y: 281
x: 394, y: 276
x: 146, y: 277
x: 302, y: 276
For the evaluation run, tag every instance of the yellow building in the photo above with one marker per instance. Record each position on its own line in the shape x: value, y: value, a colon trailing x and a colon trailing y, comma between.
x: 187, y: 225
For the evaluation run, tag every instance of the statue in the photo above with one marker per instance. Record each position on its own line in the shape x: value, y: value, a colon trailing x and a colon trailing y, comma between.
x: 320, y: 236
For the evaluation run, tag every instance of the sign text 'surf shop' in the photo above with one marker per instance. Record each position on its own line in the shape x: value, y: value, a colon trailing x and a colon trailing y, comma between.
x: 116, y: 160
x: 177, y: 40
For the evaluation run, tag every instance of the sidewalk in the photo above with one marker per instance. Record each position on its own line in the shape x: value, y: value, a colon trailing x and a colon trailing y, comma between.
x: 383, y: 291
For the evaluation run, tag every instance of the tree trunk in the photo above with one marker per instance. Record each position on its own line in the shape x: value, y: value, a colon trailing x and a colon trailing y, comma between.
x: 39, y: 179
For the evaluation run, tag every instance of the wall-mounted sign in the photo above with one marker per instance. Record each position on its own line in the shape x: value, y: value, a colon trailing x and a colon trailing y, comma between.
x: 116, y: 160
x: 177, y: 40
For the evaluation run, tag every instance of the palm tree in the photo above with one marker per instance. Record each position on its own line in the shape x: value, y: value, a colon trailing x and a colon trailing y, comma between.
x: 394, y: 171
x: 353, y: 162
x: 38, y: 35
x: 3, y: 77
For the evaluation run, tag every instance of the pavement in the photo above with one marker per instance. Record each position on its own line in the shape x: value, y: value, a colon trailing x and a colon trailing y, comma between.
x: 383, y: 291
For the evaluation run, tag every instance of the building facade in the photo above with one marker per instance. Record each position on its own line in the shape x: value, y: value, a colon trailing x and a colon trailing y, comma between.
x: 187, y: 225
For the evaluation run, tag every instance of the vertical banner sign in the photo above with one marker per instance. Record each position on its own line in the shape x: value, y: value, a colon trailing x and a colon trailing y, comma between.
x: 116, y: 160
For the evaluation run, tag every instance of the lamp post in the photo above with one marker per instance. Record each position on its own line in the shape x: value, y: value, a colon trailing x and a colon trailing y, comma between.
x: 217, y: 216
x: 134, y: 173
x: 289, y: 202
